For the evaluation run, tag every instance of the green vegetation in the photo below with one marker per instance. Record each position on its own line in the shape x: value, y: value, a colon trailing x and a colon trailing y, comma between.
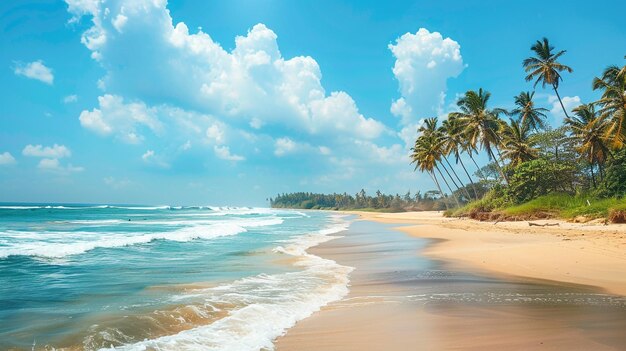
x: 429, y: 201
x: 559, y: 205
x: 573, y: 171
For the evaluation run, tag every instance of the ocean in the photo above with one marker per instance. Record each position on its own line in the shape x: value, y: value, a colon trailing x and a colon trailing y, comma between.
x: 100, y: 277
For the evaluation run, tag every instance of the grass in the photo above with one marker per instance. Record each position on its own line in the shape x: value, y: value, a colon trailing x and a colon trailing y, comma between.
x: 563, y: 206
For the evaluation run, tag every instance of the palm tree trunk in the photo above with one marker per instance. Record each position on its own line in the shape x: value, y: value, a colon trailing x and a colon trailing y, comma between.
x: 480, y: 174
x: 469, y: 197
x: 561, y: 102
x: 600, y: 171
x: 432, y: 175
x: 593, y: 178
x: 470, y: 179
x: 500, y: 155
x: 451, y: 178
x: 448, y: 185
x: 498, y: 165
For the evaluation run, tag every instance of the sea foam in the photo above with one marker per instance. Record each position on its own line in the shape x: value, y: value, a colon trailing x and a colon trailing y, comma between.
x: 57, y: 244
x: 269, y: 304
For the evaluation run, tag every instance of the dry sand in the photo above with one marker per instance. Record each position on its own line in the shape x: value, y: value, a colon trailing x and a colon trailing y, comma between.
x: 376, y: 316
x: 589, y: 254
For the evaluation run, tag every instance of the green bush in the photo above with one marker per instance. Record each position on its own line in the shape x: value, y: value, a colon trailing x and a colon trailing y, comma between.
x: 539, y: 177
x: 614, y: 181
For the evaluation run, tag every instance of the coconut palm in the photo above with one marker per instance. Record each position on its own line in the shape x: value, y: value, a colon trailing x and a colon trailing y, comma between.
x: 518, y: 145
x: 526, y: 111
x: 425, y: 155
x: 613, y: 103
x: 545, y: 68
x: 455, y: 143
x: 429, y: 128
x: 480, y: 124
x: 590, y: 130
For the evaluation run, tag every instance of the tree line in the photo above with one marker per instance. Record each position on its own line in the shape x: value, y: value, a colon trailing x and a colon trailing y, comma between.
x: 430, y: 200
x: 527, y: 157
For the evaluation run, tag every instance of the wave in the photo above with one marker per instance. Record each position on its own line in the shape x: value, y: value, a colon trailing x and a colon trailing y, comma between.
x: 268, y: 304
x: 62, y: 244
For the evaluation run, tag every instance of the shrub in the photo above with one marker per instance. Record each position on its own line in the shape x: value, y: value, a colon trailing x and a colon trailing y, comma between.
x: 614, y: 181
x: 539, y: 177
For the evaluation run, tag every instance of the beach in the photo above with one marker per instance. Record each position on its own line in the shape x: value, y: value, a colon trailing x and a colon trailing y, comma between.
x: 466, y: 285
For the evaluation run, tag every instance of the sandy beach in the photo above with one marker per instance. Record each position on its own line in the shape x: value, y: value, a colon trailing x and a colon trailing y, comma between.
x: 590, y: 254
x: 487, y: 287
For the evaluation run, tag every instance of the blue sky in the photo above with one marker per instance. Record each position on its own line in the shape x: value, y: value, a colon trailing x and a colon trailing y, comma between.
x: 231, y: 102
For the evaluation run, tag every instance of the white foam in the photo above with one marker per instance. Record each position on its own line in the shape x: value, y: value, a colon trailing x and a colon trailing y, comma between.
x: 61, y: 244
x: 270, y: 304
x: 57, y: 244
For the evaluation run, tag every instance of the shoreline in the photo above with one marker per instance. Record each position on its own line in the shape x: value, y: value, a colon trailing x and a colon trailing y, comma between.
x: 406, y: 293
x: 575, y: 253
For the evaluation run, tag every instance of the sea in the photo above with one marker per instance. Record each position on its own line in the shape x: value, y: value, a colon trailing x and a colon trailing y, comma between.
x: 105, y: 277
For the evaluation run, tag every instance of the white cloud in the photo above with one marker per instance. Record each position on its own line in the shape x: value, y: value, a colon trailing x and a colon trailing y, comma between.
x: 35, y: 70
x: 401, y: 109
x: 70, y: 99
x: 56, y: 151
x: 6, y: 159
x: 570, y: 102
x: 215, y: 133
x: 151, y: 158
x: 424, y: 63
x: 223, y: 152
x: 114, y: 116
x: 284, y: 146
x: 252, y: 83
x: 53, y: 165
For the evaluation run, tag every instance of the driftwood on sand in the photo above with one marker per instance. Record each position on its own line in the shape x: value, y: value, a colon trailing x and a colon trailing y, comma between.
x: 531, y: 224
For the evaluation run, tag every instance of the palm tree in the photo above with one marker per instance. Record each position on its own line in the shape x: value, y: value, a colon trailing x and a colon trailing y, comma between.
x: 590, y: 130
x: 453, y: 142
x: 527, y: 113
x: 518, y: 143
x: 425, y: 155
x: 430, y: 127
x: 480, y: 124
x: 613, y: 103
x: 545, y: 68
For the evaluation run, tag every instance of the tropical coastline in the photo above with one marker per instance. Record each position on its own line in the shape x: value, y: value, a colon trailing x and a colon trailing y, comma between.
x: 392, y: 305
x: 191, y: 175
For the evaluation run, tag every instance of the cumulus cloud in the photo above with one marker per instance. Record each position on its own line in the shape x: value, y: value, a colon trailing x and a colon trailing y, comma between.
x: 6, y: 159
x: 50, y: 156
x: 215, y: 133
x: 570, y: 102
x: 35, y: 70
x: 55, y: 151
x: 253, y: 85
x: 223, y: 152
x: 114, y: 116
x: 54, y: 165
x: 424, y: 62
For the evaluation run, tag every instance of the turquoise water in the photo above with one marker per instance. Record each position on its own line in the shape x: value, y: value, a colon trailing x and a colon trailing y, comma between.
x: 169, y: 278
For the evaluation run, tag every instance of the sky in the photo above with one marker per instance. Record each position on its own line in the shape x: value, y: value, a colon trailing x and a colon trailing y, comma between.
x: 231, y: 102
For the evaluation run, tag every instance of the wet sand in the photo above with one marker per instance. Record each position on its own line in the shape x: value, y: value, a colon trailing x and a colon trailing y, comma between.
x: 402, y: 299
